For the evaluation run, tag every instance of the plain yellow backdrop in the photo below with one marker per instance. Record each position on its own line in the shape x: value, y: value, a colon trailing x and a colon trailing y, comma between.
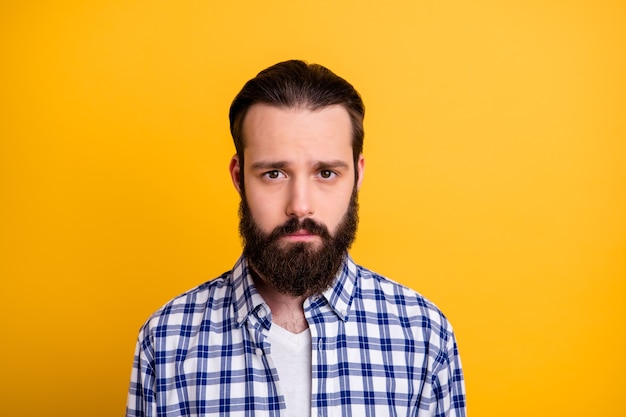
x: 495, y: 183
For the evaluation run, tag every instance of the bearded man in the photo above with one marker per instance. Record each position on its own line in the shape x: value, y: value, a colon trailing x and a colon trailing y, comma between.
x: 296, y: 328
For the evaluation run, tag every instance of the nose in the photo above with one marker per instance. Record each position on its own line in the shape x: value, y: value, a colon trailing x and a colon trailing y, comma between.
x: 300, y: 203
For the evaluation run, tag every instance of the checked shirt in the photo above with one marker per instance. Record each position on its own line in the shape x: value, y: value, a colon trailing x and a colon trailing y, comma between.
x: 378, y: 349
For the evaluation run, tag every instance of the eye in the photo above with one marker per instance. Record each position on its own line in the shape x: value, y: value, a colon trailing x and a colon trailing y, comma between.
x: 273, y: 175
x: 327, y: 174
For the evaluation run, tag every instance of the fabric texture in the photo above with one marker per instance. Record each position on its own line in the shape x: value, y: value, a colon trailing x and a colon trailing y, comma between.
x: 378, y: 349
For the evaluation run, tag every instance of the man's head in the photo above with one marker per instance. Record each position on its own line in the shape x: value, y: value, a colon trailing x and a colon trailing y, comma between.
x: 298, y: 85
x: 299, y: 135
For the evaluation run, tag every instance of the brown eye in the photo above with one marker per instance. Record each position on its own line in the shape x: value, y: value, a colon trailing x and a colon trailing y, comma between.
x: 273, y: 175
x: 326, y: 174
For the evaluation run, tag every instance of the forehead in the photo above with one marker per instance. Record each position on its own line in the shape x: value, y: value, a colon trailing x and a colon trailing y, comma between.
x: 270, y: 130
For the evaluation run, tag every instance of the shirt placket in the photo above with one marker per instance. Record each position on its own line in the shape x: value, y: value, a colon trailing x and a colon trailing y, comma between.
x: 324, y: 357
x: 266, y: 386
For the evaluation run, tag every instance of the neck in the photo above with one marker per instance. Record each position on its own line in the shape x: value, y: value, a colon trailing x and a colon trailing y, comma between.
x: 287, y: 310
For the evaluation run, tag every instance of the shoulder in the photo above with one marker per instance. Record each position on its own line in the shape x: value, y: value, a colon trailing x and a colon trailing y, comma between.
x: 392, y: 299
x: 396, y: 313
x: 192, y: 306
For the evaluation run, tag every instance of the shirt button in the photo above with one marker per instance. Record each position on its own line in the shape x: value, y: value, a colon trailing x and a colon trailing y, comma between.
x: 262, y: 312
x: 258, y: 351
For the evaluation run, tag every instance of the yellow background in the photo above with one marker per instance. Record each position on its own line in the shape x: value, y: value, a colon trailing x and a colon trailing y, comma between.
x: 495, y: 183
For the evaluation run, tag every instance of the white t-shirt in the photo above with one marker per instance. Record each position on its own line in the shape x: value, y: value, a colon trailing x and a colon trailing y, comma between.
x: 291, y: 354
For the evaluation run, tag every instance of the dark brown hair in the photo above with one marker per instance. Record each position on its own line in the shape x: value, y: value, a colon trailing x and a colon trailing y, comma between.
x: 298, y: 84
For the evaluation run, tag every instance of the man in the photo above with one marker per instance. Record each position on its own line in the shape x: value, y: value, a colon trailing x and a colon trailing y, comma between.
x: 296, y: 328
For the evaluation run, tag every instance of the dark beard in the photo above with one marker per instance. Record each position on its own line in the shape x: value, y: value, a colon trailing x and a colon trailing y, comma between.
x: 302, y: 268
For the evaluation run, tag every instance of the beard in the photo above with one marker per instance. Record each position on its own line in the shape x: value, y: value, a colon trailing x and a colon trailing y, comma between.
x: 301, y: 268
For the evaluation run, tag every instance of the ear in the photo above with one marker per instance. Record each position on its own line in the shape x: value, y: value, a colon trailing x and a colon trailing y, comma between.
x: 235, y: 172
x: 360, y: 170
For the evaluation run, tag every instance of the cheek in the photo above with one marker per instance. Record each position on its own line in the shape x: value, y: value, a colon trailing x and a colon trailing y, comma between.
x: 265, y: 210
x: 336, y: 213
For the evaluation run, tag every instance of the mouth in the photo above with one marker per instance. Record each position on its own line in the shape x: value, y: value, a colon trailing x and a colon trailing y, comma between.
x: 301, y: 235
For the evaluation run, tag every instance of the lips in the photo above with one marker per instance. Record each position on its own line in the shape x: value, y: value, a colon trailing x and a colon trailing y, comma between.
x: 302, y: 232
x: 301, y: 235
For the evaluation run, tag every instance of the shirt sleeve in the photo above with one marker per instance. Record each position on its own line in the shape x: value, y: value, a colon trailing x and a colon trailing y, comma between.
x: 449, y: 385
x: 141, y: 394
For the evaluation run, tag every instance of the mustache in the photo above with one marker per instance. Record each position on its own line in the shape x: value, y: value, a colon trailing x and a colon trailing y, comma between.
x: 293, y: 225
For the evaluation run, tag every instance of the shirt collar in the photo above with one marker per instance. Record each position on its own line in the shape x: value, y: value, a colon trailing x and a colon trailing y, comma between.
x: 246, y: 298
x: 339, y: 295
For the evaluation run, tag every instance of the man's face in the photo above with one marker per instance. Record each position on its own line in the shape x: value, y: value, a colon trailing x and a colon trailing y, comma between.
x: 299, y: 197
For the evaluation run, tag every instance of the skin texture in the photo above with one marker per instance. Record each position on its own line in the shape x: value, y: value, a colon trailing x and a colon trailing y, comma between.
x: 298, y: 164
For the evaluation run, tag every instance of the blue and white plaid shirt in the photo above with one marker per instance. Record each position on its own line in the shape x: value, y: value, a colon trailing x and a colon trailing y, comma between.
x: 378, y: 349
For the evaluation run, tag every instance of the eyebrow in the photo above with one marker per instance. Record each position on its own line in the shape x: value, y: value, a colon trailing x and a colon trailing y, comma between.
x: 335, y: 163
x: 269, y: 165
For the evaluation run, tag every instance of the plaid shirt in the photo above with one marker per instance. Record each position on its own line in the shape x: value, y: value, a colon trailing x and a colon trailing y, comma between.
x: 378, y: 349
